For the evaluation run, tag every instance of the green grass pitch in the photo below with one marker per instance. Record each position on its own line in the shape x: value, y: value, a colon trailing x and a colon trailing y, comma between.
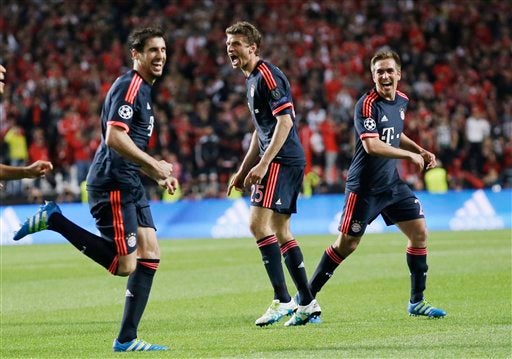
x: 56, y: 303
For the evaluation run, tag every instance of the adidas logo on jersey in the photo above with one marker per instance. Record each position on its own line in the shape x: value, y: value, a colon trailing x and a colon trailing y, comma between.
x: 278, y: 202
x: 476, y: 213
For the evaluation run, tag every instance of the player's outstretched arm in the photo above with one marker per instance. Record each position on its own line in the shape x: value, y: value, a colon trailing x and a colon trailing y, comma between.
x: 34, y: 170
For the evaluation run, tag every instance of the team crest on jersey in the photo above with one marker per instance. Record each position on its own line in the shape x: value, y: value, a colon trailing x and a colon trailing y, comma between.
x: 125, y: 111
x: 369, y: 124
x: 275, y: 93
x: 131, y: 239
x: 356, y: 227
x: 402, y: 113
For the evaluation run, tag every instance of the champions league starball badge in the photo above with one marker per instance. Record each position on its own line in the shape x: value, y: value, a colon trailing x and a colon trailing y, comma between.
x: 125, y: 111
x: 369, y: 124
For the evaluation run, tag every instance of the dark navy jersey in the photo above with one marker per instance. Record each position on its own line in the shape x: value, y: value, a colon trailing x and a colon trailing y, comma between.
x: 268, y: 96
x: 375, y: 116
x: 127, y: 105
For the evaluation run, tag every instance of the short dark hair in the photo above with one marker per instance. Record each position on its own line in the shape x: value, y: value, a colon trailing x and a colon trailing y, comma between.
x: 383, y: 55
x: 138, y: 37
x: 248, y: 30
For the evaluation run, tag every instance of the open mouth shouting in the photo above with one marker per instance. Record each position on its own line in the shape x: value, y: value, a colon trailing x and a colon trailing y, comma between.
x: 235, y: 60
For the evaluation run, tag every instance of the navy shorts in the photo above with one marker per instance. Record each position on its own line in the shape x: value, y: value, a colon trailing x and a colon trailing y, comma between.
x: 118, y: 215
x: 279, y: 189
x: 397, y: 204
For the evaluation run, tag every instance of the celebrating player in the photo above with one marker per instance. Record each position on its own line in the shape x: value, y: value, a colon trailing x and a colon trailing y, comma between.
x: 274, y: 168
x: 128, y: 245
x: 373, y: 184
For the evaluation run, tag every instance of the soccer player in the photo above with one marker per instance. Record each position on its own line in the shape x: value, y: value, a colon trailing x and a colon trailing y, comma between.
x: 128, y: 245
x: 373, y: 185
x: 274, y: 168
x: 36, y: 169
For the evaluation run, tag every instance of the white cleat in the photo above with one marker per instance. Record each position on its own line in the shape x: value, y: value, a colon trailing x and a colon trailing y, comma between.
x: 275, y: 312
x: 304, y: 313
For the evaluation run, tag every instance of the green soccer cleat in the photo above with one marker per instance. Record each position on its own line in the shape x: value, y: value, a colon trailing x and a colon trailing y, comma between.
x: 423, y: 308
x: 136, y: 345
x: 38, y: 222
x: 275, y: 312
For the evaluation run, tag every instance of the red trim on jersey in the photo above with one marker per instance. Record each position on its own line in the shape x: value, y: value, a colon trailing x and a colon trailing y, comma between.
x: 366, y: 135
x: 349, y: 211
x: 417, y: 251
x: 150, y: 265
x: 119, y: 124
x: 115, y: 202
x: 133, y: 88
x: 368, y: 103
x: 335, y: 257
x: 271, y: 184
x: 282, y: 107
x: 113, y: 266
x: 267, y: 75
x: 267, y: 241
x: 289, y: 245
x: 402, y: 94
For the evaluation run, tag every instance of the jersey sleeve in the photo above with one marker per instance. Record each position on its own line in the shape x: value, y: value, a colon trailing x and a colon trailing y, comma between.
x: 365, y: 116
x: 278, y: 90
x: 122, y: 105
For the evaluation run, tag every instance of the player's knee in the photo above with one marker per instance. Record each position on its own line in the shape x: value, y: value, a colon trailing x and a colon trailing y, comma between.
x: 346, y: 244
x: 149, y: 253
x: 419, y: 237
x: 258, y: 231
x: 124, y: 269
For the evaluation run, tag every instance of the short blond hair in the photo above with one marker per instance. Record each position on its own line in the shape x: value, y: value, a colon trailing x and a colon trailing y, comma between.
x: 383, y: 55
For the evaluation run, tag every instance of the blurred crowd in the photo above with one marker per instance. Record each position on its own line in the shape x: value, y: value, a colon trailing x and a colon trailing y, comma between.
x: 62, y: 56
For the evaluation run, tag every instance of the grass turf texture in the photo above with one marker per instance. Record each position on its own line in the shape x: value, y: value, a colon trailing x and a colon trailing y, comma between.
x: 56, y: 303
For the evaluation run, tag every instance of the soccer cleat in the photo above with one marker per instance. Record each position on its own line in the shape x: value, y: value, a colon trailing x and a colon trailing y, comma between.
x: 136, y: 345
x: 275, y: 312
x: 39, y: 221
x: 315, y: 319
x: 304, y: 313
x: 424, y: 308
